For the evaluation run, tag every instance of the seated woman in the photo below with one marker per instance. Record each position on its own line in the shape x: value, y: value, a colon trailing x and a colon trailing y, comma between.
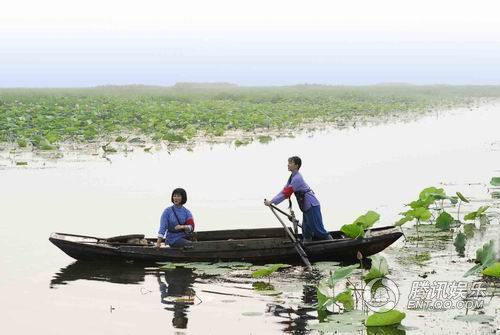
x: 176, y: 222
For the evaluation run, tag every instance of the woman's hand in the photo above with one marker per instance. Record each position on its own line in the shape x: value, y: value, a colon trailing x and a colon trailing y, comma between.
x: 267, y: 202
x: 184, y: 227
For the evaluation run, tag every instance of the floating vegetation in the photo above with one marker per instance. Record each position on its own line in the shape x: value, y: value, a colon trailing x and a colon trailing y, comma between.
x: 262, y: 286
x: 352, y: 321
x: 421, y: 211
x: 206, y: 268
x: 267, y: 271
x: 108, y: 148
x: 211, y: 271
x: 252, y: 314
x: 385, y: 318
x: 475, y: 318
x: 265, y: 139
x: 235, y: 265
x: 322, y: 266
x: 22, y: 143
x: 492, y: 270
x: 265, y: 289
x: 495, y: 195
x: 485, y: 257
x: 423, y: 257
x: 46, y: 117
x: 495, y: 181
x: 387, y: 330
x: 242, y: 142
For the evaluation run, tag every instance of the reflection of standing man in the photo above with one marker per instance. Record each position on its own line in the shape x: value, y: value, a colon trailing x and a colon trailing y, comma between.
x: 312, y: 222
x: 178, y: 286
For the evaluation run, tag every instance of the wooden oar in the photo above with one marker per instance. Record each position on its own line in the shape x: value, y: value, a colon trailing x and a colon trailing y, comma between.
x: 290, y: 217
x: 296, y: 243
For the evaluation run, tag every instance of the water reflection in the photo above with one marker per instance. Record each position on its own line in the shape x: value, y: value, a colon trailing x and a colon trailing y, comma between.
x: 295, y: 320
x: 177, y: 293
x: 294, y: 312
x: 175, y: 285
x: 121, y: 273
x: 388, y: 330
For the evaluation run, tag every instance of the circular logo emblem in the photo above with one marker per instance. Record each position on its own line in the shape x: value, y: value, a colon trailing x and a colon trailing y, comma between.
x: 381, y: 294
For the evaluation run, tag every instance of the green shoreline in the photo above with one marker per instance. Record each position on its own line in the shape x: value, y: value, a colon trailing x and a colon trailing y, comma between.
x: 42, y: 119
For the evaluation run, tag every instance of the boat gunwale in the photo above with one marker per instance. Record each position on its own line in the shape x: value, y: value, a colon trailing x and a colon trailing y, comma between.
x: 54, y: 234
x: 271, y: 242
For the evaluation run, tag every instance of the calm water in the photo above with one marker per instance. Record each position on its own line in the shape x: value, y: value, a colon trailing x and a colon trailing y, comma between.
x: 351, y: 170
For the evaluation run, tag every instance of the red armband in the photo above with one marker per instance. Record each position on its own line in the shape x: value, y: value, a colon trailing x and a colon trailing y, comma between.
x: 288, y: 191
x: 190, y: 222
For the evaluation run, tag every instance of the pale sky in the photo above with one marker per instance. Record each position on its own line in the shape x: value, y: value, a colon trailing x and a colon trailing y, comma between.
x: 86, y: 43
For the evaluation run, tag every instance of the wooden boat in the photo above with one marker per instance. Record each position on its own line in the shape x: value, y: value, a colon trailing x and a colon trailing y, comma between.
x: 259, y: 246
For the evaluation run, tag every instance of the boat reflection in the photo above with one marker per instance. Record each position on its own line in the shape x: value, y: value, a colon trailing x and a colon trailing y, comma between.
x: 177, y: 293
x: 120, y: 273
x: 175, y: 285
x: 295, y: 320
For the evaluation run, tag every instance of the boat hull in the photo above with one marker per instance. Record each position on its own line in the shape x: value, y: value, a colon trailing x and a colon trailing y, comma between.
x: 269, y: 245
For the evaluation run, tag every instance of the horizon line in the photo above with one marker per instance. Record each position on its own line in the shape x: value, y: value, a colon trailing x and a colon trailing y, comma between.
x: 235, y: 85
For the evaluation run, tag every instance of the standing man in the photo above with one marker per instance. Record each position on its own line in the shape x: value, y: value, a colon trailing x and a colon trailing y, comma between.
x: 312, y: 222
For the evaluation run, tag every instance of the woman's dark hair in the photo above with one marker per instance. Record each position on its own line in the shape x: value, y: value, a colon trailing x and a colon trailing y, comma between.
x: 296, y: 160
x: 182, y: 193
